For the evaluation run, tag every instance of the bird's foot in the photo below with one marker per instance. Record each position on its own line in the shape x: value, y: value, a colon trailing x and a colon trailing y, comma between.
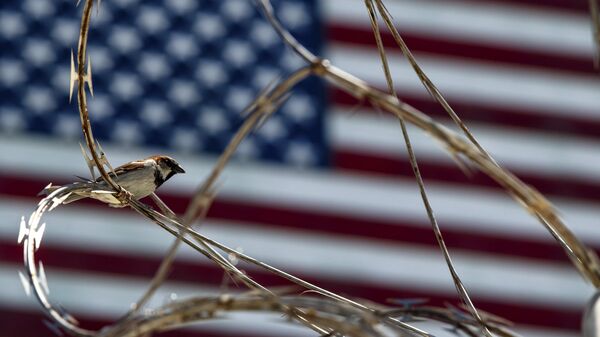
x: 124, y: 197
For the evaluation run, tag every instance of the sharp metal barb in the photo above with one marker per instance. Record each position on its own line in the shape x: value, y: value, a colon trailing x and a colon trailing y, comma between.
x: 70, y: 318
x: 32, y: 219
x: 88, y: 76
x: 25, y: 283
x: 73, y: 75
x: 458, y: 313
x: 43, y: 279
x: 44, y: 191
x: 89, y: 161
x: 103, y: 159
x: 261, y: 97
x: 453, y: 330
x: 79, y: 44
x: 58, y: 201
x: 99, y: 148
x: 103, y: 192
x: 268, y: 110
x: 52, y: 326
x: 39, y: 234
x: 77, y: 4
x: 64, y: 313
x: 22, y: 230
x: 408, y: 303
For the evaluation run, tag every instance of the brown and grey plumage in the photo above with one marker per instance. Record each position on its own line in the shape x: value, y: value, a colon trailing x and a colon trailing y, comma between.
x: 140, y: 178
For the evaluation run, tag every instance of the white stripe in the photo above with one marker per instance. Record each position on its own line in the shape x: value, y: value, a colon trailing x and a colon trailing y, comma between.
x: 100, y: 296
x: 536, y: 153
x: 476, y: 82
x: 517, y: 26
x: 499, y: 279
x: 471, y: 209
x: 109, y: 297
x: 104, y: 295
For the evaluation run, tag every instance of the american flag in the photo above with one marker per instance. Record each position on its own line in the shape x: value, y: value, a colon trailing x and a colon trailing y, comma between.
x: 326, y: 180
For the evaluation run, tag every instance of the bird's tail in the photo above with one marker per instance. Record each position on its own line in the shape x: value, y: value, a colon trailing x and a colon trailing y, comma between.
x: 49, y: 189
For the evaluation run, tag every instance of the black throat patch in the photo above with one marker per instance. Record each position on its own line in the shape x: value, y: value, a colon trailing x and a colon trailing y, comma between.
x: 158, y: 179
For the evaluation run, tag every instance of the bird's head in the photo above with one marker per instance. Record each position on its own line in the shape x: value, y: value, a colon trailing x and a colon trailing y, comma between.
x: 167, y: 167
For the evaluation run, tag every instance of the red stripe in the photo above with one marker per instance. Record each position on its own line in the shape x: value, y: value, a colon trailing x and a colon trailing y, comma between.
x: 521, y: 313
x: 341, y: 224
x: 561, y: 186
x: 574, y: 6
x: 448, y: 48
x: 496, y: 116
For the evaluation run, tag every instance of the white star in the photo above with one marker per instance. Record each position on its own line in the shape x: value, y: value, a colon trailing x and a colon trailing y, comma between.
x: 101, y: 107
x: 185, y: 139
x: 11, y: 72
x: 39, y: 100
x: 60, y: 79
x: 272, y: 130
x: 125, y: 86
x: 239, y: 53
x: 124, y: 39
x: 181, y: 6
x: 127, y: 133
x: 38, y: 9
x: 247, y: 149
x: 209, y: 27
x: 38, y: 52
x: 152, y: 20
x: 211, y: 73
x: 103, y: 17
x: 182, y: 46
x: 300, y: 154
x: 184, y: 93
x: 238, y: 98
x: 67, y: 126
x: 236, y: 10
x: 11, y: 25
x: 11, y: 120
x: 124, y: 3
x: 263, y: 34
x: 291, y: 62
x: 154, y: 66
x: 293, y: 14
x: 213, y: 120
x: 155, y: 113
x: 299, y: 107
x: 102, y: 59
x: 263, y: 76
x: 65, y: 31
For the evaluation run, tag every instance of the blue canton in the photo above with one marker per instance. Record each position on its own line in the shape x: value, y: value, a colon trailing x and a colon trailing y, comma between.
x: 171, y: 74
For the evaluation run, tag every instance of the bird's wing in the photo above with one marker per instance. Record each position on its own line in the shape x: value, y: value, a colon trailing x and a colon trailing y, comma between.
x: 131, y: 166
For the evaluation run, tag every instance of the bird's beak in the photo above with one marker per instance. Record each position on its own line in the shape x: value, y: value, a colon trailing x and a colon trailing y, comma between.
x: 178, y: 169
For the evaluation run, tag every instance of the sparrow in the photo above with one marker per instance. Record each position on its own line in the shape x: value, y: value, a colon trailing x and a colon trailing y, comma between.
x: 140, y: 178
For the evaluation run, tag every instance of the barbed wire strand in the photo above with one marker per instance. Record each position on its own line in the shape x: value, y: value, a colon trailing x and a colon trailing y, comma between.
x: 100, y: 161
x: 583, y: 258
x: 460, y: 288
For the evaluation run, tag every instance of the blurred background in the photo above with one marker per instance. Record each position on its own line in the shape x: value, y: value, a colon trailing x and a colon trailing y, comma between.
x: 323, y: 189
